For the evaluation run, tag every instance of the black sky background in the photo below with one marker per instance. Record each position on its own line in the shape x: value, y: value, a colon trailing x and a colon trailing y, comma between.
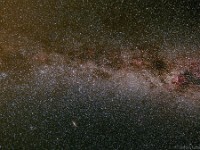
x: 108, y: 114
x: 57, y: 22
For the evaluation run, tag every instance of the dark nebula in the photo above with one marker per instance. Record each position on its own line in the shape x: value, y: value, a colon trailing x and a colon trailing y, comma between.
x: 103, y: 74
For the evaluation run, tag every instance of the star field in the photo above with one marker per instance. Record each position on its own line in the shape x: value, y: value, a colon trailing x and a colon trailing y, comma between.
x: 99, y: 75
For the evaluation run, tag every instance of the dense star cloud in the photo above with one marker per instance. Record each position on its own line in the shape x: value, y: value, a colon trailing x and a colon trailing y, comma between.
x: 85, y: 74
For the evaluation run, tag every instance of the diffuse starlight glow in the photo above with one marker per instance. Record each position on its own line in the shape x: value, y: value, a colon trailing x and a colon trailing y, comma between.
x: 151, y: 68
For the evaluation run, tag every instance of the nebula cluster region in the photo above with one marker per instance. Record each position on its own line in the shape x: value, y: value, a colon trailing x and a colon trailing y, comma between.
x: 99, y: 75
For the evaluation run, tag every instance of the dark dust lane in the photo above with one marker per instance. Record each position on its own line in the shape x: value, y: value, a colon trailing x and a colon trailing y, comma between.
x: 99, y: 75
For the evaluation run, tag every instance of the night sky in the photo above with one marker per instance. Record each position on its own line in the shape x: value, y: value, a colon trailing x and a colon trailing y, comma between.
x: 86, y: 74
